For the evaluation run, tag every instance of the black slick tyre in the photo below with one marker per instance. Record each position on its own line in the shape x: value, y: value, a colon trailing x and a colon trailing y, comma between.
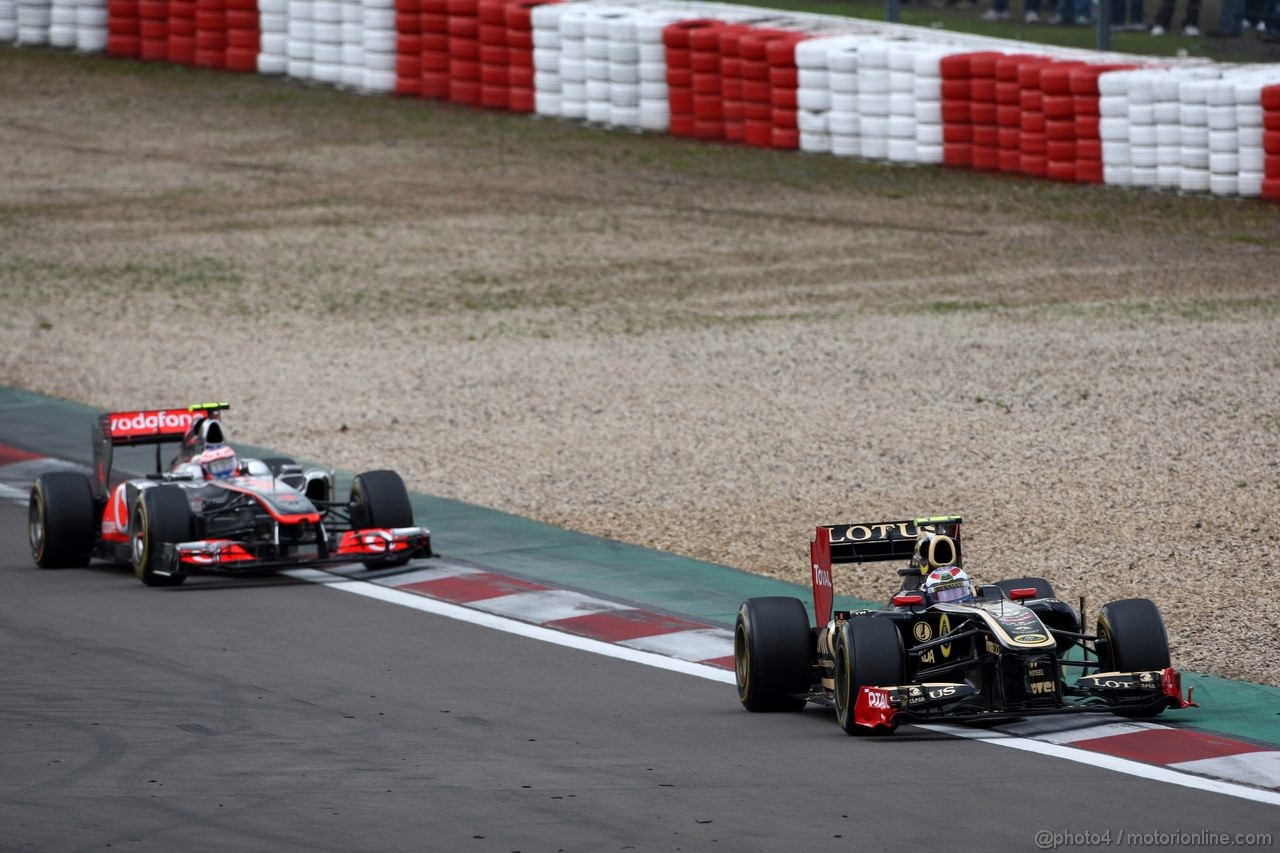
x: 161, y: 516
x: 772, y: 654
x: 868, y: 653
x: 1132, y: 638
x: 1043, y: 588
x: 380, y: 499
x: 61, y: 520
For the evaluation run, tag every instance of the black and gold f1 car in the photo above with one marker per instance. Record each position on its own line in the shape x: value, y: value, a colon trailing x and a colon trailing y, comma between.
x: 208, y: 511
x: 1005, y: 651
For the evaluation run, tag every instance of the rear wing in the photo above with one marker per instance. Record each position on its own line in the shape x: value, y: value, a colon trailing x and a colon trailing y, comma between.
x: 144, y: 427
x: 865, y: 543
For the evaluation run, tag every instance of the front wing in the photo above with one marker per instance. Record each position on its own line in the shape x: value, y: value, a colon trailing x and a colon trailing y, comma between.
x: 885, y: 707
x: 221, y: 556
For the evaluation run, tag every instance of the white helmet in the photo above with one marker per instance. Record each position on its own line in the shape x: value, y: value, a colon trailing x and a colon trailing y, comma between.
x: 948, y: 584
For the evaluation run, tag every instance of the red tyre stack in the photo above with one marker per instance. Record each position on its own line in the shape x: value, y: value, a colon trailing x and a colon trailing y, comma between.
x: 704, y: 67
x: 433, y: 25
x: 1008, y: 97
x: 1032, y: 141
x: 182, y: 31
x: 243, y: 36
x: 1060, y: 120
x: 757, y: 91
x: 783, y: 82
x: 733, y: 108
x: 957, y: 124
x: 464, y: 52
x: 408, y: 48
x: 495, y: 79
x: 983, y: 112
x: 211, y: 33
x: 518, y: 17
x: 123, y: 28
x: 1271, y: 142
x: 153, y: 30
x: 1084, y: 94
x: 675, y: 38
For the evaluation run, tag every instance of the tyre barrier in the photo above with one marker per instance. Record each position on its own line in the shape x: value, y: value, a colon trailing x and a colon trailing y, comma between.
x: 734, y: 74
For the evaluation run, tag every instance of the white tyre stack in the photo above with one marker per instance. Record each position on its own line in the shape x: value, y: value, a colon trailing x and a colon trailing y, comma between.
x: 928, y: 103
x: 1249, y: 131
x: 573, y: 61
x: 1223, y: 138
x: 1195, y: 136
x: 1113, y: 127
x: 299, y: 46
x: 624, y: 71
x: 352, y: 44
x: 273, y: 43
x: 873, y: 99
x: 379, y: 46
x: 33, y: 21
x: 8, y: 20
x: 1142, y: 129
x: 844, y: 117
x: 91, y: 26
x: 326, y: 42
x: 813, y: 95
x: 62, y: 23
x: 1166, y: 110
x: 546, y: 58
x: 655, y: 110
x: 902, y: 101
x: 595, y: 62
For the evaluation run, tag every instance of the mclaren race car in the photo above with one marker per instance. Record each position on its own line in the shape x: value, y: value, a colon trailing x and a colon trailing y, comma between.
x: 209, y: 511
x: 945, y: 650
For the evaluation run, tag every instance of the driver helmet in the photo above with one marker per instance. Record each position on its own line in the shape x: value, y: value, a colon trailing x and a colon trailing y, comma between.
x: 948, y: 584
x: 219, y: 462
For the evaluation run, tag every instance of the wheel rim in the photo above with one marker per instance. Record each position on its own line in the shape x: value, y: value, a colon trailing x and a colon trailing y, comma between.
x: 35, y: 524
x: 742, y: 660
x: 139, y: 540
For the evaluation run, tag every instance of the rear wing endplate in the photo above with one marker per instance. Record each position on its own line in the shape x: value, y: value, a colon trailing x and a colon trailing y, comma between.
x: 865, y: 543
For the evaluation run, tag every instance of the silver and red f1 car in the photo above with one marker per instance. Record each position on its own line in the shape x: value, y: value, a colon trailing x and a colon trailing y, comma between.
x: 1007, y: 650
x: 256, y: 514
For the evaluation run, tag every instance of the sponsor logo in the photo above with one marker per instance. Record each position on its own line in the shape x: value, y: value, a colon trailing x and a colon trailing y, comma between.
x: 821, y: 576
x: 941, y: 692
x: 1030, y: 638
x: 878, y: 699
x: 868, y: 532
x: 1113, y: 683
x: 131, y: 424
x: 1040, y: 687
x: 944, y: 628
x: 992, y: 647
x: 928, y: 657
x: 922, y: 631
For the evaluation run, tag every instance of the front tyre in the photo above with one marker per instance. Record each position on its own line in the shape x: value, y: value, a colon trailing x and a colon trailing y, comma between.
x: 379, y: 499
x: 772, y: 654
x: 61, y: 520
x: 868, y: 653
x: 161, y: 516
x: 1132, y: 638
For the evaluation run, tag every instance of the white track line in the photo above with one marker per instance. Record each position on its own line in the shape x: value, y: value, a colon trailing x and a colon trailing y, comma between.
x: 711, y: 673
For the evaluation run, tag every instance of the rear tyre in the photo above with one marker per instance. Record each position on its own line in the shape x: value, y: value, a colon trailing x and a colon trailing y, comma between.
x: 1132, y: 638
x: 379, y: 499
x: 772, y: 654
x: 1043, y: 588
x: 868, y: 653
x: 61, y: 523
x: 161, y: 516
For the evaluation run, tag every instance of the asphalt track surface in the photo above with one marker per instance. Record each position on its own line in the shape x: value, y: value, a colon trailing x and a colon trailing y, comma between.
x: 266, y: 714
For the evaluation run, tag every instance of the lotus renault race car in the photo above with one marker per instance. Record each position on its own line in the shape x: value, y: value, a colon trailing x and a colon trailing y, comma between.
x: 209, y: 511
x: 945, y: 650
